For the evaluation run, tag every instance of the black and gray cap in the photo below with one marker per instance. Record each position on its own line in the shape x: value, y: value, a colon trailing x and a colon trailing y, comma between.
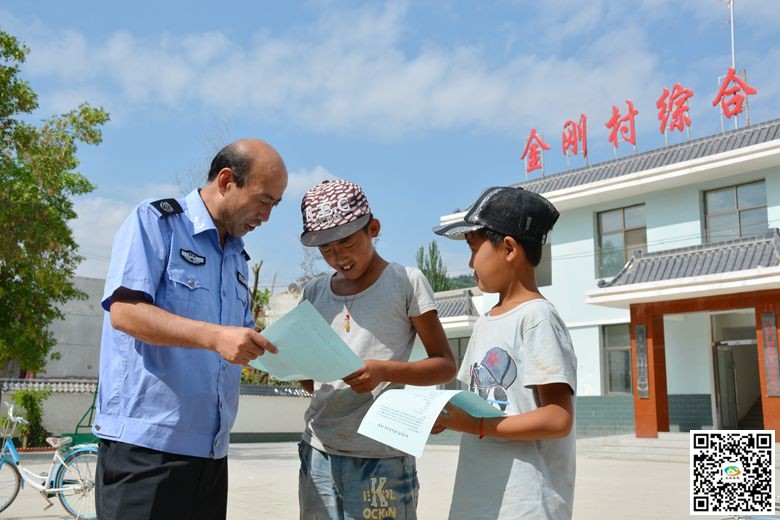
x: 508, y: 210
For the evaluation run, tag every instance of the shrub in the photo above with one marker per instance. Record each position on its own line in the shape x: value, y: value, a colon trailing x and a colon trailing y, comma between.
x: 253, y: 376
x: 31, y: 403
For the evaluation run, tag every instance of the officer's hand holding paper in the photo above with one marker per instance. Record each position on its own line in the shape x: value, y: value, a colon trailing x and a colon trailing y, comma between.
x: 308, y: 348
x: 403, y: 418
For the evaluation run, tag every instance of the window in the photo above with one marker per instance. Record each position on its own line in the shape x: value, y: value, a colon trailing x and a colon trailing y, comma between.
x: 458, y: 346
x: 735, y: 211
x: 621, y: 232
x: 544, y: 269
x: 617, y: 359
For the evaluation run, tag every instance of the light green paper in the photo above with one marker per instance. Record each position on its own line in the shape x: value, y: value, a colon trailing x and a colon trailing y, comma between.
x: 475, y: 405
x: 308, y: 348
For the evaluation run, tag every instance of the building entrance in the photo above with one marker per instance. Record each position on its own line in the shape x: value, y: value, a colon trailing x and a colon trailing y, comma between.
x: 736, y: 372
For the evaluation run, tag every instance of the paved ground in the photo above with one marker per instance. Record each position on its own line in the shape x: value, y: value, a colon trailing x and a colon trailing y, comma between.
x: 263, y: 485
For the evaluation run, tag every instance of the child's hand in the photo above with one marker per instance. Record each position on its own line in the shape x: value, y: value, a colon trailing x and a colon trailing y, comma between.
x: 438, y: 426
x: 454, y: 418
x: 367, y: 378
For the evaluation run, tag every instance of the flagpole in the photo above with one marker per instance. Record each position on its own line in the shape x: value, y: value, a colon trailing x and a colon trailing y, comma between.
x: 731, y: 18
x: 733, y: 52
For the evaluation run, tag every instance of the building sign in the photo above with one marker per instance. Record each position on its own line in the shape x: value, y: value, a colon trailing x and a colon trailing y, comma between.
x: 575, y: 137
x: 640, y: 338
x: 532, y: 154
x: 673, y: 114
x: 626, y: 125
x: 771, y: 365
x: 673, y: 109
x: 729, y: 95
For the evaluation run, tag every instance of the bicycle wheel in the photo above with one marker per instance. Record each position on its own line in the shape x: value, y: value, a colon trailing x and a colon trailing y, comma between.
x: 76, y: 477
x: 10, y: 481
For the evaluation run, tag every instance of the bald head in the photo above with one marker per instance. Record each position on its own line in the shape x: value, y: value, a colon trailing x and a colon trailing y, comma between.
x: 246, y: 181
x: 240, y: 157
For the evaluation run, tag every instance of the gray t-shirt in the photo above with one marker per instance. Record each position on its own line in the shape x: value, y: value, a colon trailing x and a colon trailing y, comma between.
x: 380, y: 328
x: 507, y: 357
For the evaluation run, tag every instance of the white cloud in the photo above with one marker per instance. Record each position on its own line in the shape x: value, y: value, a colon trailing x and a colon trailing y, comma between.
x: 99, y: 218
x: 93, y: 229
x: 351, y: 70
x: 153, y: 191
x: 66, y: 56
x: 754, y: 15
x: 300, y: 181
x: 68, y: 98
x: 354, y: 70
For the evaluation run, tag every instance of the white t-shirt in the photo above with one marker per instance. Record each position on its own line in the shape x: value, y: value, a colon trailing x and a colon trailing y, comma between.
x: 507, y: 357
x: 380, y: 328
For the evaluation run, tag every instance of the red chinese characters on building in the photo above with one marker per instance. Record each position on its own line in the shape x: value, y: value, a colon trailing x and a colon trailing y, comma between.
x: 624, y: 124
x: 575, y: 136
x: 533, y: 151
x: 673, y: 108
x: 729, y: 95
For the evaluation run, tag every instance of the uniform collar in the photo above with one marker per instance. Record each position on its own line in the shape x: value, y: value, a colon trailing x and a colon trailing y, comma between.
x: 202, y: 221
x: 198, y: 214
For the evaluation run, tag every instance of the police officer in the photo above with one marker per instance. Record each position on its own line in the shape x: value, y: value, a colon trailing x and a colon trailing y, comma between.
x: 177, y: 332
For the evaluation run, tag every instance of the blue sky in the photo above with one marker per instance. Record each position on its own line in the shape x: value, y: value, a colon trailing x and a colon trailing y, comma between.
x: 422, y: 103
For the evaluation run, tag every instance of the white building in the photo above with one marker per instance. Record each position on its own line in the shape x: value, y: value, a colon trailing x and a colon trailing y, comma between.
x: 666, y: 268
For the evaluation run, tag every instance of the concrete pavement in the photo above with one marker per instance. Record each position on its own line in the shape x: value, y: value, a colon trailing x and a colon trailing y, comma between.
x: 264, y: 478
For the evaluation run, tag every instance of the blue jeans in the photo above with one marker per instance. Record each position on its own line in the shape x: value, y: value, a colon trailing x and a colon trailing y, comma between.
x: 333, y: 487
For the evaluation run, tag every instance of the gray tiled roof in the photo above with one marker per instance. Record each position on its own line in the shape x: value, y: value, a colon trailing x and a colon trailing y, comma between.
x: 694, y: 149
x: 57, y: 386
x: 458, y: 304
x: 708, y: 259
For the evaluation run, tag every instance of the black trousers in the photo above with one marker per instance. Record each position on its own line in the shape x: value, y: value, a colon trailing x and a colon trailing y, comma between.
x: 136, y: 483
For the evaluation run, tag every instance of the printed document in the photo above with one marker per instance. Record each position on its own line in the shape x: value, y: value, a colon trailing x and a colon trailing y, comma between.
x: 403, y: 418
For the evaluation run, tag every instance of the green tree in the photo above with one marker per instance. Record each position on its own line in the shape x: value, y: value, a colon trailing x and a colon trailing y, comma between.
x: 38, y: 255
x: 259, y: 298
x: 433, y: 268
x: 31, y: 403
x: 464, y: 281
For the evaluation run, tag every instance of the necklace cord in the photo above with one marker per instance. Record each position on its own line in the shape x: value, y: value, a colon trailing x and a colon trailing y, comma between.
x: 348, y: 305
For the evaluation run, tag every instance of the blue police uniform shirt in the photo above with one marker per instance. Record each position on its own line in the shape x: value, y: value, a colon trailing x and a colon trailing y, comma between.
x: 172, y: 399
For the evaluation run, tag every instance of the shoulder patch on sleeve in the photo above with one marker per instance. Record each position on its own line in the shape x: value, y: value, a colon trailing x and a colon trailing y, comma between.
x: 246, y: 255
x: 167, y: 207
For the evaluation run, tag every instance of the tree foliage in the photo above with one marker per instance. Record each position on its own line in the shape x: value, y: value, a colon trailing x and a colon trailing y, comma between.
x: 38, y: 255
x: 259, y: 299
x: 31, y: 403
x: 433, y: 267
x: 464, y: 281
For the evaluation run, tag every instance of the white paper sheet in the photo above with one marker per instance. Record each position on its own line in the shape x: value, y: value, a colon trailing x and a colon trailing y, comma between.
x: 403, y: 418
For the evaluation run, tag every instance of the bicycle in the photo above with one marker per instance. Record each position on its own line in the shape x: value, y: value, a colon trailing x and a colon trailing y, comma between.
x: 71, y: 475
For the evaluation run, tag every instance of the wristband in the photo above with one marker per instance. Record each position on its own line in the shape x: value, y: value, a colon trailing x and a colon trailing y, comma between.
x: 481, y: 430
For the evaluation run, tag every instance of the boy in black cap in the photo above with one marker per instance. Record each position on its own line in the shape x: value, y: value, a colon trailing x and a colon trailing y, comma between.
x: 520, y: 358
x: 378, y: 308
